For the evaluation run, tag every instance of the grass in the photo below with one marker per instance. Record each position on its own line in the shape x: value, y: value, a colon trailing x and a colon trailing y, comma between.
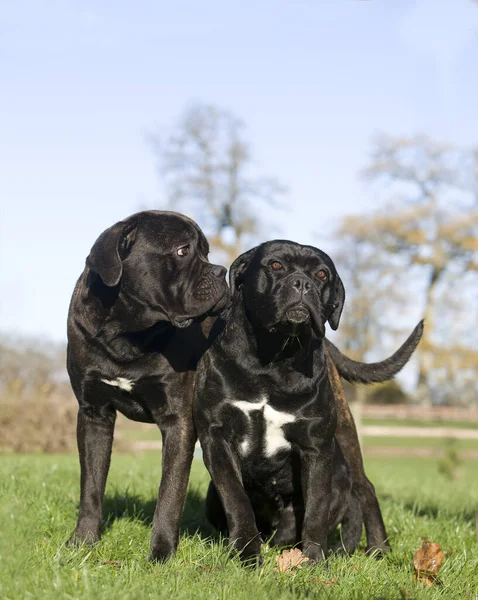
x: 39, y: 496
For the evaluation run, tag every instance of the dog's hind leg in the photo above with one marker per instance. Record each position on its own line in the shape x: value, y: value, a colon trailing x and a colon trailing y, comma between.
x: 214, y: 511
x: 289, y: 526
x: 377, y: 539
x: 351, y: 528
x: 346, y: 434
x: 95, y: 430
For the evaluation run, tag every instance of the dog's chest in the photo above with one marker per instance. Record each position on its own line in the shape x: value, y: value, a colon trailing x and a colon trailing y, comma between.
x: 264, y: 427
x: 137, y: 397
x: 122, y: 383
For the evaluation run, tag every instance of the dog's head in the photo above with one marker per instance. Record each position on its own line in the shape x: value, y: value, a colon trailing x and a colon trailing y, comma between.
x: 289, y: 288
x: 155, y: 264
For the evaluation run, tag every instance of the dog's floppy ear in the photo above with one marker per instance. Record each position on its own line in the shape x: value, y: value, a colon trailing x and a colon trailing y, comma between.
x: 238, y: 267
x: 339, y: 299
x: 110, y: 249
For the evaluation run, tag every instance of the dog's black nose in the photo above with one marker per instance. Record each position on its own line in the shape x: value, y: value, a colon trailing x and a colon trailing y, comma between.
x: 219, y: 271
x: 301, y: 285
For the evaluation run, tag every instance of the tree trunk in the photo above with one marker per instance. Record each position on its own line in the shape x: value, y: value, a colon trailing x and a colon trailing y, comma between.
x: 423, y: 393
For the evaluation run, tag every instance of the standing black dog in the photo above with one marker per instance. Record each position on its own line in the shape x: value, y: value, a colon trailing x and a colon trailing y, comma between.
x: 265, y: 411
x: 133, y: 344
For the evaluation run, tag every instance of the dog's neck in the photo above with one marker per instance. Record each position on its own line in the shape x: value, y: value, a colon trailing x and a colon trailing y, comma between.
x: 126, y: 346
x: 107, y: 327
x: 287, y: 353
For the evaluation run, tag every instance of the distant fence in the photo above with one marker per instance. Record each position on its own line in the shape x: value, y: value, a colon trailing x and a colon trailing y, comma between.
x: 419, y: 432
x: 432, y: 413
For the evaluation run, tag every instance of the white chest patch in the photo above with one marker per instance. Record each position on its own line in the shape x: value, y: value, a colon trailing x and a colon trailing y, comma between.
x: 120, y: 382
x: 274, y: 420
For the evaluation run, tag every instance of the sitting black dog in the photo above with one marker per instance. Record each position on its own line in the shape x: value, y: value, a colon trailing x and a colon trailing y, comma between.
x: 264, y: 408
x: 134, y: 339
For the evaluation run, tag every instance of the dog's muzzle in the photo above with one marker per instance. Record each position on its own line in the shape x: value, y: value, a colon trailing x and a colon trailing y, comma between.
x: 297, y: 315
x: 182, y: 323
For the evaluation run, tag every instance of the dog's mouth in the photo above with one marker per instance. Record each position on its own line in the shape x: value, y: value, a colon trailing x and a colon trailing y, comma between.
x: 215, y: 310
x: 295, y: 320
x: 182, y: 323
x: 224, y: 302
x: 297, y: 315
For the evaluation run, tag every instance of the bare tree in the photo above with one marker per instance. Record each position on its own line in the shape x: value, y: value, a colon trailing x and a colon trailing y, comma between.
x: 371, y: 295
x: 208, y: 169
x: 431, y: 227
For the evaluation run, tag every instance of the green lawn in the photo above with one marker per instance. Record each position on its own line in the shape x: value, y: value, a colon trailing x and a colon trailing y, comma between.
x: 38, y: 506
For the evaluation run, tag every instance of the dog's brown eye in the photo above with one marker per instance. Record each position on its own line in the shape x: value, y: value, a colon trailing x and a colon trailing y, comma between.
x: 276, y: 265
x: 184, y: 250
x: 322, y: 275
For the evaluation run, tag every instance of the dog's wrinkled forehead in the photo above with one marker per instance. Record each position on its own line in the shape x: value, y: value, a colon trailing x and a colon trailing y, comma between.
x: 165, y: 231
x: 291, y: 254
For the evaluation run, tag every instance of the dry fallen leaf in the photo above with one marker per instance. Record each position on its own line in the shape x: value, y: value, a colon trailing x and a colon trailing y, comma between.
x: 427, y: 561
x: 206, y: 568
x: 289, y: 559
x: 429, y: 558
x: 326, y: 582
x: 428, y: 580
x: 113, y: 563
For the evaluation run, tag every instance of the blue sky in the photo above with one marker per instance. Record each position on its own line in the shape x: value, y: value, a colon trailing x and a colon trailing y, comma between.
x: 82, y: 83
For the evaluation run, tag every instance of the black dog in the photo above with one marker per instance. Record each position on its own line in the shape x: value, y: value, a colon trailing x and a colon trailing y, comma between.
x: 265, y: 411
x: 133, y: 344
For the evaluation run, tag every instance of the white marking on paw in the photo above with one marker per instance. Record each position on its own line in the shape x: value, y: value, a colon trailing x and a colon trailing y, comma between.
x: 274, y: 439
x: 121, y: 382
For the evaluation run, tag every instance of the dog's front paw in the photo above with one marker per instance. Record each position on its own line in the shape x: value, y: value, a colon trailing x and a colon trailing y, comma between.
x: 314, y: 552
x: 161, y: 550
x: 339, y: 550
x: 282, y: 540
x: 84, y: 535
x: 249, y: 548
x: 379, y: 550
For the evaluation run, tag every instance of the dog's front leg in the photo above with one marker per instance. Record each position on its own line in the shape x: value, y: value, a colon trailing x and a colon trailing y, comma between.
x: 95, y: 429
x: 179, y: 438
x: 223, y: 466
x: 316, y: 479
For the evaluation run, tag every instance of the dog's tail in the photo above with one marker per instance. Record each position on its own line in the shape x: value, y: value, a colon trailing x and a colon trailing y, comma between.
x: 377, y: 372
